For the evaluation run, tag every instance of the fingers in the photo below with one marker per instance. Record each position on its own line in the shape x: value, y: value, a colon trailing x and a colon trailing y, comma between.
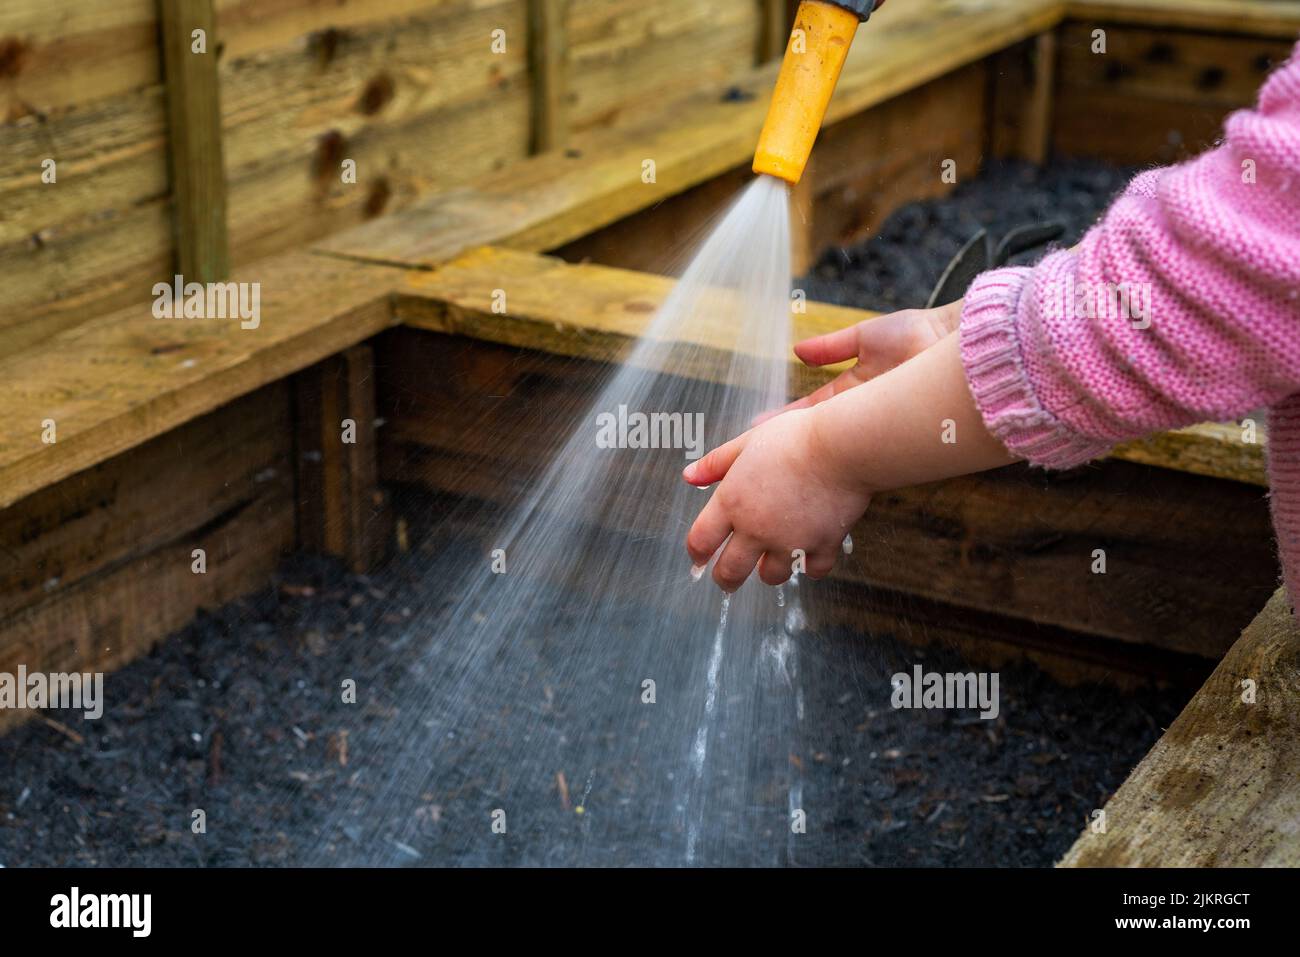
x: 713, y: 466
x: 710, y: 530
x: 736, y: 562
x: 835, y: 346
x: 819, y: 565
x: 774, y: 569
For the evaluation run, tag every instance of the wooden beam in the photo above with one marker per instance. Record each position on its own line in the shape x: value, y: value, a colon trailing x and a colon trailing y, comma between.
x: 121, y: 379
x: 189, y: 44
x: 341, y: 509
x: 596, y: 312
x: 1265, y: 18
x: 1155, y: 95
x: 548, y: 61
x: 97, y: 568
x: 1221, y: 788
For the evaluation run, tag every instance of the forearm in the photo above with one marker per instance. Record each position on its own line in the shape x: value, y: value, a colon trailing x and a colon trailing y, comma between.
x: 916, y: 423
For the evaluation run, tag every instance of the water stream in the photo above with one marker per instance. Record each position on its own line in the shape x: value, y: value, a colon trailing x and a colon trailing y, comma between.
x: 580, y: 647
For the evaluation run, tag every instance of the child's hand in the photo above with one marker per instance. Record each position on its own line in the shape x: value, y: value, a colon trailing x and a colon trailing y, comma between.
x: 878, y: 344
x: 780, y: 492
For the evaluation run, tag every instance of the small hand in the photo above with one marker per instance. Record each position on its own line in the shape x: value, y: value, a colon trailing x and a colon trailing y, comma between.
x: 878, y: 344
x: 779, y: 493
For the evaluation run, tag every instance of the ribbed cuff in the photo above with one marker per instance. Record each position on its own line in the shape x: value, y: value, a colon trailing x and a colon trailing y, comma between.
x: 995, y: 371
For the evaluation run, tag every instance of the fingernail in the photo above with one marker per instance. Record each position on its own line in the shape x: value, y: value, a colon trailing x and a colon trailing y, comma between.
x: 688, y: 473
x: 697, y: 572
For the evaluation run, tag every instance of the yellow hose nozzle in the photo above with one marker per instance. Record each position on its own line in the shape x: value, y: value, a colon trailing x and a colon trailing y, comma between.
x: 819, y: 42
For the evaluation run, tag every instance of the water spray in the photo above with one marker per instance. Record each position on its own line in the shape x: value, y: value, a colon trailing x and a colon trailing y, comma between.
x: 819, y: 42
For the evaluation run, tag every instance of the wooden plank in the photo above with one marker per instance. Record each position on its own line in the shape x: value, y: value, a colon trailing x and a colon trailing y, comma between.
x: 80, y: 89
x: 1275, y: 18
x: 116, y: 381
x: 1023, y: 78
x: 101, y: 264
x: 627, y: 57
x: 548, y: 59
x: 57, y: 57
x: 341, y: 509
x: 1189, y: 559
x: 585, y: 310
x: 101, y: 566
x: 107, y: 515
x: 553, y: 199
x: 420, y: 96
x: 1221, y: 788
x: 596, y: 312
x: 1155, y: 95
x: 1178, y: 66
x: 189, y: 44
x: 1218, y: 449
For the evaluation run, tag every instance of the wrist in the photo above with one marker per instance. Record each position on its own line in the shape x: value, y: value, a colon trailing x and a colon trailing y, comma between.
x: 829, y: 448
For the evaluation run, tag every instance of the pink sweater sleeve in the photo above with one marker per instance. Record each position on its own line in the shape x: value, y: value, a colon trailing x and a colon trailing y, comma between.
x: 1181, y: 305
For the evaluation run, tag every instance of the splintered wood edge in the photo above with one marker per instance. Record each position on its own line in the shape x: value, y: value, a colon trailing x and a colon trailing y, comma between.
x: 1219, y: 789
x: 596, y: 312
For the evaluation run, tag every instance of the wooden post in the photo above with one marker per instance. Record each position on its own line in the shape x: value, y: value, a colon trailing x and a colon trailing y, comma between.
x: 1022, y: 81
x: 777, y: 16
x: 341, y: 509
x: 189, y: 47
x: 548, y: 57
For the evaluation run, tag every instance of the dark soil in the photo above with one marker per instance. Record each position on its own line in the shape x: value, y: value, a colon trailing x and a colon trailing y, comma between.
x: 239, y: 715
x: 899, y: 266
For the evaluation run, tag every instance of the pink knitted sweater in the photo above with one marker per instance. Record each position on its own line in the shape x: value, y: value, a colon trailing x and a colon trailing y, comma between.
x: 1181, y: 305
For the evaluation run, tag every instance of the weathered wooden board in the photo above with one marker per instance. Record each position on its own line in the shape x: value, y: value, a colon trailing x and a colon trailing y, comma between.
x: 556, y: 198
x: 629, y: 55
x: 596, y: 311
x: 1221, y: 788
x: 1275, y: 18
x: 119, y: 380
x: 1154, y: 95
x: 59, y: 55
x: 415, y: 95
x: 583, y: 310
x: 100, y: 566
x: 106, y: 515
x: 79, y: 85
